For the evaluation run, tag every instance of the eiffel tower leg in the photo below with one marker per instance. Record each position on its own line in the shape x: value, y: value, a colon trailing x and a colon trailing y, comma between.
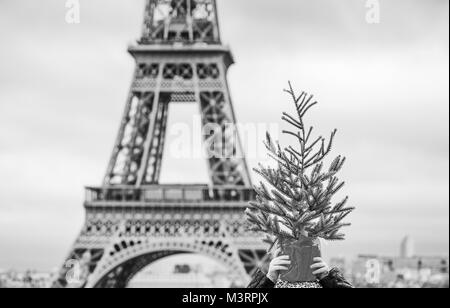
x: 146, y: 237
x: 110, y: 252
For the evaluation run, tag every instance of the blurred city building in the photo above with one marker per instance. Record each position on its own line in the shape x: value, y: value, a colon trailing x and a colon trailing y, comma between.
x: 404, y: 271
x: 398, y: 272
x: 27, y: 279
x: 183, y: 276
x: 407, y: 248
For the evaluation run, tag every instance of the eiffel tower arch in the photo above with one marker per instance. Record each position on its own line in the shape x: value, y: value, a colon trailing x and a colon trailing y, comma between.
x: 131, y: 219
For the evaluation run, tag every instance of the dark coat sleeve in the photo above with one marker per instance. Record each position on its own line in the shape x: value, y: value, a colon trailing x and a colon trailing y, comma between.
x: 335, y: 280
x: 260, y: 281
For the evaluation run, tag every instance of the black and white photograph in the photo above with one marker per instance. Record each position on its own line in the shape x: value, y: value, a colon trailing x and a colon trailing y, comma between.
x: 224, y: 145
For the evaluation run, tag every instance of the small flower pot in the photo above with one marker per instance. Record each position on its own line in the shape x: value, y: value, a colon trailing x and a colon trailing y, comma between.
x: 301, y: 254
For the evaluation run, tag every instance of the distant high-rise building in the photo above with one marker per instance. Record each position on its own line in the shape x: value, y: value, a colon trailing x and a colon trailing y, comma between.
x: 407, y: 248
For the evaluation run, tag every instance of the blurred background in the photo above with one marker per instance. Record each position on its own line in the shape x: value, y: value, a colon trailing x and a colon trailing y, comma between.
x: 384, y: 85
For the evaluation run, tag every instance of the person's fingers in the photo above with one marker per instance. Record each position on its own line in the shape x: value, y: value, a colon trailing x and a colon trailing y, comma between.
x: 281, y: 262
x: 277, y: 252
x: 318, y: 259
x: 282, y: 258
x: 318, y: 265
x: 278, y: 268
x: 320, y: 271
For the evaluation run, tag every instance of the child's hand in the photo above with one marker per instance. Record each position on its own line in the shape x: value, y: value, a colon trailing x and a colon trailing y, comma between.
x: 278, y: 264
x: 321, y: 268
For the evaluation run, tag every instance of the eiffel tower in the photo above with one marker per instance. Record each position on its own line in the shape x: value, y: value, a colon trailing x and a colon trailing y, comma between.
x: 132, y: 220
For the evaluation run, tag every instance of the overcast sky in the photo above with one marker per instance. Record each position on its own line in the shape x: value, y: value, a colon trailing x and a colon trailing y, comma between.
x: 385, y: 87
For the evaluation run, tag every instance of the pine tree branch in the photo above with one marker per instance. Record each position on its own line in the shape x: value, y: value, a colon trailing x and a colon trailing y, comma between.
x: 289, y: 119
x: 299, y: 203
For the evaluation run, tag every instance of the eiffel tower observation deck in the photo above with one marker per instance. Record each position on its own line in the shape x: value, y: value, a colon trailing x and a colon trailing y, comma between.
x: 131, y: 219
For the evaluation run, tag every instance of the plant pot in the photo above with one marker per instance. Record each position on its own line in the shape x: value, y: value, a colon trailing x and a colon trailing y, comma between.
x: 301, y: 254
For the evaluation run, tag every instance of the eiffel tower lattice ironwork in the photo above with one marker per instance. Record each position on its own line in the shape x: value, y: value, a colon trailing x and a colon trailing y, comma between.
x: 132, y: 220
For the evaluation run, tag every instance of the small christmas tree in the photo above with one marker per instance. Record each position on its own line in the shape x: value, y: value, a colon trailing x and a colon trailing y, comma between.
x: 298, y: 203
